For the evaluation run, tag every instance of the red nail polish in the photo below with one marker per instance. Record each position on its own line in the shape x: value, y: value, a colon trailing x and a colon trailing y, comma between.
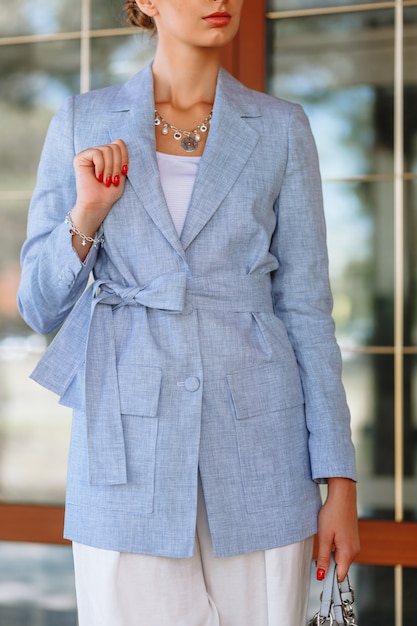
x: 108, y: 181
x: 320, y: 573
x: 100, y: 177
x: 116, y: 180
x: 125, y: 168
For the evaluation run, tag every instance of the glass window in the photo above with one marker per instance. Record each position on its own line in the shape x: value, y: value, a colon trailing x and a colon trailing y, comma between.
x: 34, y: 428
x: 410, y: 262
x: 339, y: 65
x: 295, y: 5
x: 36, y: 585
x: 368, y: 380
x: 116, y: 59
x: 340, y: 68
x: 410, y: 586
x: 410, y: 436
x: 410, y: 89
x: 25, y: 17
x: 359, y: 220
x: 107, y: 14
x: 35, y: 79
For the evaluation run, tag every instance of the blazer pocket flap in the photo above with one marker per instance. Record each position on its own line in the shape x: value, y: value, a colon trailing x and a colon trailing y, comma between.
x: 139, y: 389
x: 262, y: 390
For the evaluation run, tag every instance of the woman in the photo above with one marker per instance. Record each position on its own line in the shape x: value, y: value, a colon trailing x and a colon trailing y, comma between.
x: 200, y: 362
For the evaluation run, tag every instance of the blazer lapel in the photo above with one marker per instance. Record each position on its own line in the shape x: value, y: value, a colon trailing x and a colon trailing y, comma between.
x: 134, y: 123
x: 230, y: 143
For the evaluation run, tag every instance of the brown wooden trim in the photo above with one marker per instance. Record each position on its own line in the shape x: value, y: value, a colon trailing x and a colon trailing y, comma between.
x: 31, y: 523
x: 382, y: 542
x: 245, y: 56
x: 387, y: 543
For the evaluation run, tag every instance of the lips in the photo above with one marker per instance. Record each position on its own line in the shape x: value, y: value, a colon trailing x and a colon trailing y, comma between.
x: 218, y: 14
x: 219, y: 18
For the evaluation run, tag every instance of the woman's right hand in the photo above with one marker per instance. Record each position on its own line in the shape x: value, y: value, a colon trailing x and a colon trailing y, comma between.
x: 100, y: 175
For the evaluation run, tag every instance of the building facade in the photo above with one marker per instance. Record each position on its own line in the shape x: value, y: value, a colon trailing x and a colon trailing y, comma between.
x: 353, y: 67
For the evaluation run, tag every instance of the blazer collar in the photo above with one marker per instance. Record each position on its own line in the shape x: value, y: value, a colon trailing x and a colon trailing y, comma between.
x: 229, y: 145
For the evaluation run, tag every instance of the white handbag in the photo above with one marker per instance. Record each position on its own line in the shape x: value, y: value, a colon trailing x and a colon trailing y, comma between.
x: 336, y: 605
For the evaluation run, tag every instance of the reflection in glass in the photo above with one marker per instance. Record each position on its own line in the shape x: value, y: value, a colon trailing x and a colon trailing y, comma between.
x: 369, y: 385
x: 375, y: 595
x: 107, y: 14
x: 410, y: 90
x: 340, y: 68
x: 12, y: 234
x: 410, y: 261
x: 25, y: 17
x: 34, y: 81
x: 294, y: 5
x: 359, y: 220
x: 116, y: 59
x: 409, y: 595
x: 410, y: 437
x: 36, y: 585
x: 34, y: 429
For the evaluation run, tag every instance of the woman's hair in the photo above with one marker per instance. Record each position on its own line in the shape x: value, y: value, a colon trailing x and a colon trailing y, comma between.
x: 137, y: 17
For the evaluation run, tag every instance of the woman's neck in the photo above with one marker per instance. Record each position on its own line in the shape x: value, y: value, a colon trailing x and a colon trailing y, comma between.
x: 187, y: 81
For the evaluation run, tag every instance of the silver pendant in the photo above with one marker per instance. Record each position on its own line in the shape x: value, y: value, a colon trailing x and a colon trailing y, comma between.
x: 189, y: 144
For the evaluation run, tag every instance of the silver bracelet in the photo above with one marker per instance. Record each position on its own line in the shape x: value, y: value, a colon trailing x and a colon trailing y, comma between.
x: 84, y: 238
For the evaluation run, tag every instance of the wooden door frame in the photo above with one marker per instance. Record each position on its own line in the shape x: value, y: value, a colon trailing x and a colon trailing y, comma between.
x: 245, y: 56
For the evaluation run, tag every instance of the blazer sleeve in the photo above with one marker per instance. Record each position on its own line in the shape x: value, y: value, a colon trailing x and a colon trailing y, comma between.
x: 53, y: 276
x: 303, y: 301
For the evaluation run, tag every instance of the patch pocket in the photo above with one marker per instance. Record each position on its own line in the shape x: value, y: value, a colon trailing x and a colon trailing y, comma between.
x: 139, y: 392
x: 139, y: 389
x: 271, y: 434
x: 260, y: 390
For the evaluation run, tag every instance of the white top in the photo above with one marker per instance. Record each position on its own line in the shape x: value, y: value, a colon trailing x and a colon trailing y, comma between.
x: 177, y: 175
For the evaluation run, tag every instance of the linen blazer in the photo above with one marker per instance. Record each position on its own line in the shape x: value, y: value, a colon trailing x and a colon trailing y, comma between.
x: 213, y: 351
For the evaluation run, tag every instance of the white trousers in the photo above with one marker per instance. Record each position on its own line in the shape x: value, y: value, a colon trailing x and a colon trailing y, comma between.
x: 265, y: 588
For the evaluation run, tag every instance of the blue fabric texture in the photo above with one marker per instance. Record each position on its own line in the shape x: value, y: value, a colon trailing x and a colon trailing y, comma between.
x: 213, y: 351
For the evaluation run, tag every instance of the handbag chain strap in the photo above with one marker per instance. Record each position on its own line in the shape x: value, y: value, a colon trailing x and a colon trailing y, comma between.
x: 336, y: 606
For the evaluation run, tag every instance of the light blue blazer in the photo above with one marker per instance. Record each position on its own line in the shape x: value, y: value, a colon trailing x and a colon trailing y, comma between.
x: 213, y: 351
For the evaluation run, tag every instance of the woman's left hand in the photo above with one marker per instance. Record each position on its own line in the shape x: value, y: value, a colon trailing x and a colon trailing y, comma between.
x: 338, y: 527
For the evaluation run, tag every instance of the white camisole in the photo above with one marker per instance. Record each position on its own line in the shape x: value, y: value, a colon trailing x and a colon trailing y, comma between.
x: 177, y: 175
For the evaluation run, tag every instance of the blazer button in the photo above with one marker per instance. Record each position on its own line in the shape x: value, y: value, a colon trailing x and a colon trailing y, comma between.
x: 192, y: 383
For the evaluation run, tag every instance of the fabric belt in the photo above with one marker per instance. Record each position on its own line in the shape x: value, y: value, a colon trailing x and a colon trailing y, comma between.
x: 173, y: 292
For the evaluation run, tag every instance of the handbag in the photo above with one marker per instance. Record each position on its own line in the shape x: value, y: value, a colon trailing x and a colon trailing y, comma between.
x: 336, y: 601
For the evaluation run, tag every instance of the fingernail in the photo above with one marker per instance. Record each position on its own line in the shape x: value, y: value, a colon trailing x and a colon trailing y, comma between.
x: 116, y: 180
x: 320, y: 573
x: 100, y: 177
x: 108, y: 181
x: 125, y: 168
